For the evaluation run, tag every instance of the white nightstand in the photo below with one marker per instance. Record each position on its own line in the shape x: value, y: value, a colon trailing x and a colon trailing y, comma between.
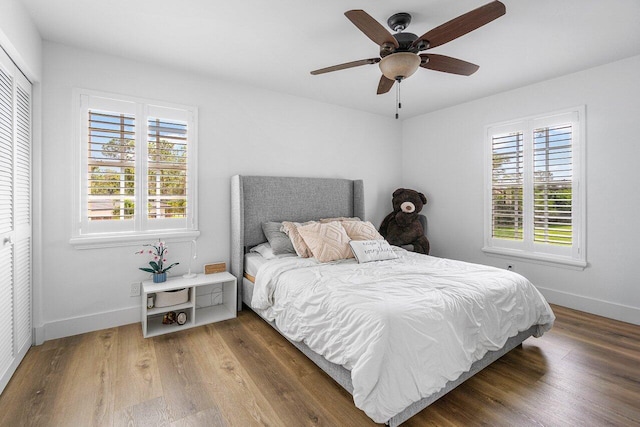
x: 152, y: 317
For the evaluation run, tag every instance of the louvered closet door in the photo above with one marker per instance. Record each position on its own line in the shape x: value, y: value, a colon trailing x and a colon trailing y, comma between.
x: 6, y: 217
x: 15, y: 217
x: 22, y: 216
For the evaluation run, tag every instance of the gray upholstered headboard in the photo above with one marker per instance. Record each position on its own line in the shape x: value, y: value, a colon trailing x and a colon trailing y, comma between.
x: 257, y: 199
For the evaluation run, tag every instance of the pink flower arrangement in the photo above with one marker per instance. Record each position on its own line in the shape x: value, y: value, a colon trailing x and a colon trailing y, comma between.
x: 159, y: 253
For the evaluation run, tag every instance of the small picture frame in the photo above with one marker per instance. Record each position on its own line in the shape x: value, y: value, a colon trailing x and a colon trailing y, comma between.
x: 181, y: 318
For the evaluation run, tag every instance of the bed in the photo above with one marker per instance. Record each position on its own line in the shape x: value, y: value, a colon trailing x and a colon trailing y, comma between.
x: 258, y: 199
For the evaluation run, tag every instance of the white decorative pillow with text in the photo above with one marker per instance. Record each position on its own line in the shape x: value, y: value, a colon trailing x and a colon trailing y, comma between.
x: 372, y: 250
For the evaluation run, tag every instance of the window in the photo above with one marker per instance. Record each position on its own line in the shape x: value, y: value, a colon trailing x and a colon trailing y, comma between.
x: 136, y: 170
x: 535, y: 192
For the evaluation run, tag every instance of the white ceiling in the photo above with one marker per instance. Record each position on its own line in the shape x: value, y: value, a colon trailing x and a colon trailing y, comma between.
x: 274, y: 44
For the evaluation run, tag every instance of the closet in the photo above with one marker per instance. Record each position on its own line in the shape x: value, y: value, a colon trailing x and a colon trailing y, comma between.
x: 15, y: 217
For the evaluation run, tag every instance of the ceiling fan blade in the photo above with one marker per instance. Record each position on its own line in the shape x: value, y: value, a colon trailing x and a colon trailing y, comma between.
x: 371, y: 28
x: 462, y: 25
x: 385, y: 85
x: 447, y: 64
x: 346, y: 65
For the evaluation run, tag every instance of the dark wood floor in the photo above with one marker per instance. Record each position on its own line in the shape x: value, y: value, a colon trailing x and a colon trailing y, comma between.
x: 585, y: 371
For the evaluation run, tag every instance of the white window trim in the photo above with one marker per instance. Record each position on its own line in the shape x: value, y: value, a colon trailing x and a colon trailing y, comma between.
x: 139, y: 235
x: 576, y: 259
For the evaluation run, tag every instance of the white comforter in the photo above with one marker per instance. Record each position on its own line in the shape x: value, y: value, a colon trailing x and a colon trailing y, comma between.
x: 403, y: 327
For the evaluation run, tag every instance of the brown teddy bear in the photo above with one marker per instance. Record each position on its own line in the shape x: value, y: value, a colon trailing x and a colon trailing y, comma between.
x: 402, y: 226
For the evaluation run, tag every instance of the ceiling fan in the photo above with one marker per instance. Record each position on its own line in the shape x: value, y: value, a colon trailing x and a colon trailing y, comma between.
x: 399, y: 52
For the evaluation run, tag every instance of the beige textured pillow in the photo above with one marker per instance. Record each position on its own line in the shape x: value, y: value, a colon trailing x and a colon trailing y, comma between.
x: 291, y: 230
x: 328, y: 241
x: 361, y: 230
x: 341, y: 219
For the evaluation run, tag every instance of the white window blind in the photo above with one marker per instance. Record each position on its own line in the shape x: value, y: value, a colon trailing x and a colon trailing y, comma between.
x: 137, y: 169
x: 535, y: 205
x: 111, y: 166
x: 507, y: 179
x: 167, y: 176
x: 552, y: 185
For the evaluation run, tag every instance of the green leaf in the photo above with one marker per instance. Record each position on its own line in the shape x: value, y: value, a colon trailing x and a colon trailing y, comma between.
x: 154, y: 265
x: 175, y: 263
x: 148, y: 270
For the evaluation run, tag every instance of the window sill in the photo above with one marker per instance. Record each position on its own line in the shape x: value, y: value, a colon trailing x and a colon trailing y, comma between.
x: 111, y: 240
x: 538, y: 258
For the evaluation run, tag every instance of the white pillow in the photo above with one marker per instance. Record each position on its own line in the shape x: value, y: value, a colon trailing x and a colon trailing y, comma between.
x: 372, y: 250
x: 264, y: 249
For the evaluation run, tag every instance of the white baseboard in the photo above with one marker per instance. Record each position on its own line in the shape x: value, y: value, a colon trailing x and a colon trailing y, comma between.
x: 81, y: 324
x: 603, y: 308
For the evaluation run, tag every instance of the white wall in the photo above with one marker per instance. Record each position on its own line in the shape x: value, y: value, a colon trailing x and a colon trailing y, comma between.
x: 443, y: 157
x: 20, y: 38
x: 242, y: 130
x: 251, y: 131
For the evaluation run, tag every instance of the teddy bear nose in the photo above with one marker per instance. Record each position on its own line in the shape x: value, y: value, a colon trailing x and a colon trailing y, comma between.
x: 407, y: 207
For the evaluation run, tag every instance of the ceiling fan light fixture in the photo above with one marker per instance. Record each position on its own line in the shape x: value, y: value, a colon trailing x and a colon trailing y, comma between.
x: 399, y: 65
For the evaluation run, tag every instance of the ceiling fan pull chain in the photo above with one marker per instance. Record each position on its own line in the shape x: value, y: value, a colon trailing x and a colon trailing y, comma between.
x: 397, y: 99
x: 398, y: 102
